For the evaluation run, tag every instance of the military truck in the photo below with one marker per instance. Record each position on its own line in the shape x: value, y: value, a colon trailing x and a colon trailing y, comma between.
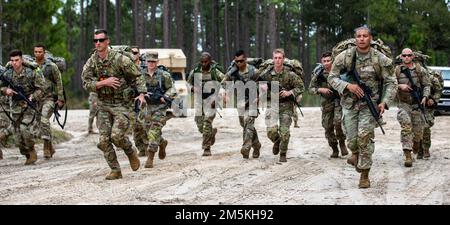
x: 175, y: 61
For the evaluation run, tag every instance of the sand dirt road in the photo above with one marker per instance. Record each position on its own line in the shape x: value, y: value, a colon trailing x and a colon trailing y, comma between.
x: 76, y: 173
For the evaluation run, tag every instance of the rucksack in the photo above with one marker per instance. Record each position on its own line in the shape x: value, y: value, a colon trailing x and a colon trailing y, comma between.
x: 344, y: 45
x: 419, y: 57
x: 124, y: 50
x: 59, y: 61
x: 293, y: 64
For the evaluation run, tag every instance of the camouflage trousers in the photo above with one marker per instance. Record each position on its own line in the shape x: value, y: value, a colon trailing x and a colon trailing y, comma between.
x: 204, y: 125
x: 249, y: 135
x: 155, y: 120
x: 5, y: 126
x: 295, y: 115
x: 47, y: 107
x: 24, y: 132
x: 278, y: 123
x: 426, y: 140
x: 331, y: 122
x: 113, y: 122
x: 359, y: 126
x: 411, y: 123
x: 92, y: 114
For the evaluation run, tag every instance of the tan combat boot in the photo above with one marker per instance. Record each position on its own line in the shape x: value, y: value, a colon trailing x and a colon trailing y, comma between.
x: 149, y: 162
x: 416, y: 147
x: 47, y: 151
x: 353, y: 160
x: 335, y: 153
x: 364, y: 181
x: 134, y: 160
x: 296, y: 125
x: 245, y: 153
x: 162, y: 149
x: 214, y: 132
x: 276, y: 147
x: 408, y: 158
x: 256, y: 149
x: 207, y: 152
x: 426, y: 153
x: 31, y: 157
x: 114, y: 175
x: 283, y: 157
x: 344, y: 151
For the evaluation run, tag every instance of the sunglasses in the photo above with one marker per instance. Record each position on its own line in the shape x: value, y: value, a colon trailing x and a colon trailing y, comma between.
x: 407, y: 55
x: 151, y: 61
x: 101, y: 40
x: 239, y: 61
x: 135, y: 53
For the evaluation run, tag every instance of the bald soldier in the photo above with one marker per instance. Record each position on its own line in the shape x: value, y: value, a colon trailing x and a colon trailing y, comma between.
x: 410, y: 76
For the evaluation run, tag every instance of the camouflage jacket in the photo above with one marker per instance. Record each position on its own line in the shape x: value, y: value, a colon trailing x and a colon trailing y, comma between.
x: 160, y: 80
x: 420, y: 78
x: 31, y: 81
x: 114, y: 65
x: 53, y: 80
x: 317, y: 82
x: 437, y: 85
x: 375, y: 70
x: 288, y: 80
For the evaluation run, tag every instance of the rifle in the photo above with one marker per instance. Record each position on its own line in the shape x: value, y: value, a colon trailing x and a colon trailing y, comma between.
x: 292, y: 99
x: 321, y: 79
x: 137, y: 109
x: 56, y: 112
x: 367, y: 93
x: 416, y: 93
x: 20, y: 93
x: 152, y: 95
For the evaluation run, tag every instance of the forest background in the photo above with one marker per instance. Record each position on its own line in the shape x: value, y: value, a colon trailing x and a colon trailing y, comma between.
x: 304, y: 28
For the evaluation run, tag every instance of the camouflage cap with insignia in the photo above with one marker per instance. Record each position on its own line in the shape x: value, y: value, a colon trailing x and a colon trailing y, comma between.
x: 151, y: 56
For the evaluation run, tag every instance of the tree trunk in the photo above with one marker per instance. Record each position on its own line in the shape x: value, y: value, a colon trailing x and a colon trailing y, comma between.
x: 135, y: 11
x: 103, y: 14
x: 141, y: 21
x: 226, y: 32
x: 245, y: 29
x: 179, y: 22
x: 273, y: 33
x: 118, y: 14
x: 237, y: 34
x: 258, y: 35
x: 153, y: 24
x: 195, y: 29
x: 166, y: 24
x: 1, y: 32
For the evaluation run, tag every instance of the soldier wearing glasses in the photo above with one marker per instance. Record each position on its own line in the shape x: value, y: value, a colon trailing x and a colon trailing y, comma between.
x: 109, y: 73
x: 409, y: 115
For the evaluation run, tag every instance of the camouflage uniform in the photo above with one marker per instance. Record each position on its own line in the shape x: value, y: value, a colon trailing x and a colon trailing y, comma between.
x: 32, y: 82
x: 246, y: 119
x: 331, y: 110
x: 359, y: 123
x: 93, y: 98
x: 5, y: 123
x: 204, y: 122
x: 53, y: 91
x: 113, y: 104
x: 409, y: 115
x: 155, y: 112
x: 279, y: 134
x: 436, y: 91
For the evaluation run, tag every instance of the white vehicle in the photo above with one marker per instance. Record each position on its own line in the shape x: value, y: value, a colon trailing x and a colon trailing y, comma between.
x: 444, y: 102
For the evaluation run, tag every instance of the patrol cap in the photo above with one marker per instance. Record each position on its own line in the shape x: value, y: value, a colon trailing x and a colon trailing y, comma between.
x: 151, y: 56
